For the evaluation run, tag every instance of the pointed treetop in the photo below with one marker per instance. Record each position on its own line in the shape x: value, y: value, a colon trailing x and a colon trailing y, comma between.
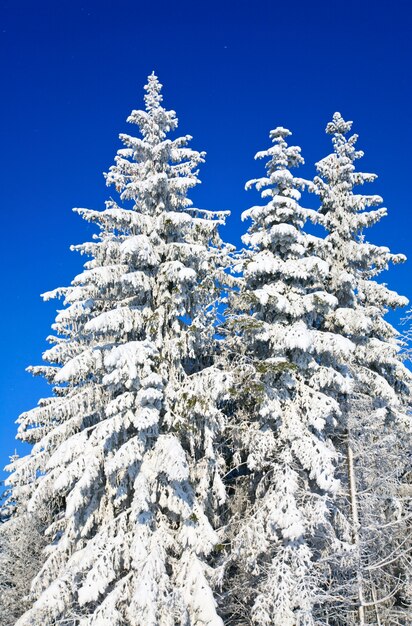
x: 153, y: 89
x: 146, y: 162
x: 279, y: 131
x: 344, y: 153
x: 279, y: 185
x: 281, y: 155
x: 338, y: 126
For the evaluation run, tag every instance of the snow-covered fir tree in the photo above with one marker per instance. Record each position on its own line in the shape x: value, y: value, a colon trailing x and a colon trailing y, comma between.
x: 369, y: 579
x: 125, y: 452
x: 288, y: 377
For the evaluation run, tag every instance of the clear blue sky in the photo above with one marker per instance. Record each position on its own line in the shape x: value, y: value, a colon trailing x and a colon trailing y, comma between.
x: 72, y: 71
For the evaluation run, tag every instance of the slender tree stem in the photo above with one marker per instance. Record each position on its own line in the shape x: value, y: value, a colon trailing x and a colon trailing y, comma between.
x: 355, y: 531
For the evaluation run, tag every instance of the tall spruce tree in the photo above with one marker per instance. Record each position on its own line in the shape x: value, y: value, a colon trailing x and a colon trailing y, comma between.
x: 289, y: 374
x: 125, y: 451
x: 369, y: 578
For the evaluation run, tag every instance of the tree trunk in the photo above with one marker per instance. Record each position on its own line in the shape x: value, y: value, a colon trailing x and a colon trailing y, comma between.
x: 355, y: 532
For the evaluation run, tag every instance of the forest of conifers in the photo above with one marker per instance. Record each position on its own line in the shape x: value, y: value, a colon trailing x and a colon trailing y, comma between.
x: 227, y: 437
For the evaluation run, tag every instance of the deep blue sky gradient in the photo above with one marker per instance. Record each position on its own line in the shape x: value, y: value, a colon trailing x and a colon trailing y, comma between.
x: 72, y: 71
